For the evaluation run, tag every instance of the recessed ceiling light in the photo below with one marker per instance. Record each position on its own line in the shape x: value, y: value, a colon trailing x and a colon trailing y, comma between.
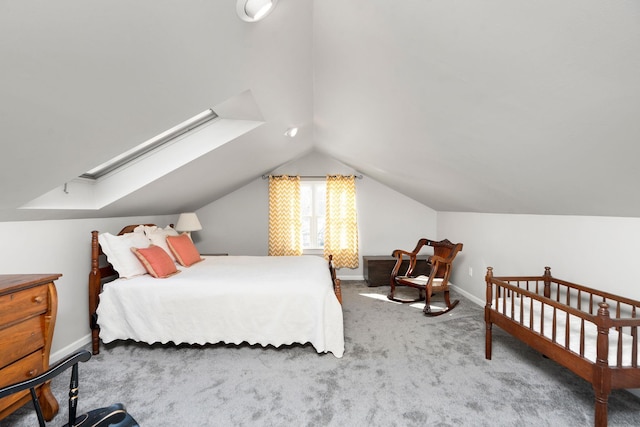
x: 254, y: 10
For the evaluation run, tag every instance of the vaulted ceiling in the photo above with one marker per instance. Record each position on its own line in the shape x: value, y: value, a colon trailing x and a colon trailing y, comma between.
x: 473, y: 105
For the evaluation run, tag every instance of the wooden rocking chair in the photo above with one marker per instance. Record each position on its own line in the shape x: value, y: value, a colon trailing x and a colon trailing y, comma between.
x: 438, y: 280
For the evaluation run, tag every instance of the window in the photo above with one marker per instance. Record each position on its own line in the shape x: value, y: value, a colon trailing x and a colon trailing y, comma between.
x: 150, y: 145
x: 312, y: 212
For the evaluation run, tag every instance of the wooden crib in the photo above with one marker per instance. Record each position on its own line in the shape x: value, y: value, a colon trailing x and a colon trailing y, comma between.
x: 592, y: 333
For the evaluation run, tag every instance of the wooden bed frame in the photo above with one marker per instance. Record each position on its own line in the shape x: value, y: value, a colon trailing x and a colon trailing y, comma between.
x: 563, y: 298
x: 102, y: 272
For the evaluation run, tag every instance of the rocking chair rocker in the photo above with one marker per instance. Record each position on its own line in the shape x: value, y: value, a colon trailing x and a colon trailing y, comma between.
x: 438, y: 279
x: 113, y: 416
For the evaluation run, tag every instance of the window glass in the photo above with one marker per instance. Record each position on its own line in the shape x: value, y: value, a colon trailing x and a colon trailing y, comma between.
x: 312, y: 208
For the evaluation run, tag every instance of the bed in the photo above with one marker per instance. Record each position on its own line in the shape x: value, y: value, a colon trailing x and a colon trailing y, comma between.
x: 590, y: 332
x: 271, y: 301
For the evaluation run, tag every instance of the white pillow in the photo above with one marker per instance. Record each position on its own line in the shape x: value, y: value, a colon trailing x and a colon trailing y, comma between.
x: 118, y: 252
x: 158, y: 237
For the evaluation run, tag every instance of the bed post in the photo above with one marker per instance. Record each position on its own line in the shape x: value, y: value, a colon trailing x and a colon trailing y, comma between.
x: 94, y: 292
x: 547, y: 282
x: 335, y: 281
x: 487, y: 313
x: 601, y: 370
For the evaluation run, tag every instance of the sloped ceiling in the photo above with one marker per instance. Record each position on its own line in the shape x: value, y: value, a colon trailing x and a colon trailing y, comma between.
x: 472, y: 105
x: 485, y: 106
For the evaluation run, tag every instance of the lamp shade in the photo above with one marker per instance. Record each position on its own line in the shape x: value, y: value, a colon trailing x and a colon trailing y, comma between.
x: 188, y: 222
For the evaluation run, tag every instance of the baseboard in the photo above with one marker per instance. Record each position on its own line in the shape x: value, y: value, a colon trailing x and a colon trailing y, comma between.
x: 71, y: 348
x: 346, y: 277
x: 467, y: 295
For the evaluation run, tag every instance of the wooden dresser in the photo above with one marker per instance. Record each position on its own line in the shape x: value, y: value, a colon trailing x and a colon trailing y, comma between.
x: 28, y: 307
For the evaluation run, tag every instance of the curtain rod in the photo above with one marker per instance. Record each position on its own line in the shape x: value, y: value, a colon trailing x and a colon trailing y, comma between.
x: 307, y: 176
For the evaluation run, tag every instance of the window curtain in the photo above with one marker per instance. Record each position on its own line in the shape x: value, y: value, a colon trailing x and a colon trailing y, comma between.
x: 341, y: 229
x: 284, y: 216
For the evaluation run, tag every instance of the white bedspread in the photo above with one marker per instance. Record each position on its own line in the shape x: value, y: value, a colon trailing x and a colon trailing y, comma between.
x: 590, y: 330
x: 231, y: 299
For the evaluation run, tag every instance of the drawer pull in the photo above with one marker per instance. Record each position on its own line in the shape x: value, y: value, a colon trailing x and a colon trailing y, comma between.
x: 38, y: 299
x: 31, y: 373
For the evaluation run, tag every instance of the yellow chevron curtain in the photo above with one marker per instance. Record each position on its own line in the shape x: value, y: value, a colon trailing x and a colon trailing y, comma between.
x: 284, y: 216
x: 341, y: 229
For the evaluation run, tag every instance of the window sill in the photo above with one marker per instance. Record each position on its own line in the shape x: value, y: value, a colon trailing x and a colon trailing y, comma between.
x: 313, y: 251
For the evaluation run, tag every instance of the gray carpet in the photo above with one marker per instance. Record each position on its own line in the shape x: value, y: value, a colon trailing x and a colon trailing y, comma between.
x: 399, y: 369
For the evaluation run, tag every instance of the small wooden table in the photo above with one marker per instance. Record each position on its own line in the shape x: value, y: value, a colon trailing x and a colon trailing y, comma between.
x: 377, y: 268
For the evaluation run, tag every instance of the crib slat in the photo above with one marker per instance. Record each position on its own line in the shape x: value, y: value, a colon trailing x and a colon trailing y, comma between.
x: 553, y: 325
x: 619, y: 360
x: 634, y: 340
x: 579, y: 299
x: 567, y: 331
x: 582, y: 337
x: 513, y: 304
x: 541, y: 318
x: 531, y: 313
x: 619, y: 329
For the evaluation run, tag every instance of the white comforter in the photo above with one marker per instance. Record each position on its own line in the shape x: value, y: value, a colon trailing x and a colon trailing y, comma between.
x: 231, y: 299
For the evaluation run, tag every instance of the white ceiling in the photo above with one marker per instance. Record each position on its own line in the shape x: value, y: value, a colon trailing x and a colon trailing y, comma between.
x: 471, y: 105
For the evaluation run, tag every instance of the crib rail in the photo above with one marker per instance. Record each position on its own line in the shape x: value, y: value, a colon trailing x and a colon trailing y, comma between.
x: 584, y: 321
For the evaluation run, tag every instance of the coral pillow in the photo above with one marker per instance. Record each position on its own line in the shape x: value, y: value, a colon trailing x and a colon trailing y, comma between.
x: 156, y: 261
x: 158, y: 237
x: 183, y: 249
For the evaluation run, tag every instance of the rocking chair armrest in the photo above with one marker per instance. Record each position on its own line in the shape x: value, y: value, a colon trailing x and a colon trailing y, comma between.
x: 398, y: 255
x: 436, y: 259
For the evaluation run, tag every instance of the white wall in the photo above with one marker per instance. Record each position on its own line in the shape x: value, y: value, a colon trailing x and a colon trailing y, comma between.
x: 598, y: 252
x: 238, y: 223
x: 61, y: 247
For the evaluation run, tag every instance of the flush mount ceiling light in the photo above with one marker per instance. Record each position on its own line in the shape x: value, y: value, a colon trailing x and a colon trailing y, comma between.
x: 291, y: 132
x: 254, y: 10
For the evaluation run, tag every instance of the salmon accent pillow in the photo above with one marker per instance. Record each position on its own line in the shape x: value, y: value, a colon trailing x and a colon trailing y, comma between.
x: 184, y: 250
x: 156, y: 261
x: 158, y: 237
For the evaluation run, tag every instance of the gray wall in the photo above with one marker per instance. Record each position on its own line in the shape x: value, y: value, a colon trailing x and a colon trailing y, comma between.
x: 598, y: 252
x: 238, y: 223
x: 61, y: 247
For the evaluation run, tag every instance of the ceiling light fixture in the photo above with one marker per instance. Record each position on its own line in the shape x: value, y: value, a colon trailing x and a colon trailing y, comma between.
x: 291, y: 132
x: 254, y: 10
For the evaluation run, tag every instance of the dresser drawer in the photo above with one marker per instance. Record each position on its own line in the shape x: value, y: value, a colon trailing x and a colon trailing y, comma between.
x: 23, y: 304
x: 21, y: 339
x: 23, y: 369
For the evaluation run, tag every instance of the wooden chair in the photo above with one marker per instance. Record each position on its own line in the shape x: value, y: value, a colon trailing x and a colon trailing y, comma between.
x: 114, y: 415
x: 438, y: 280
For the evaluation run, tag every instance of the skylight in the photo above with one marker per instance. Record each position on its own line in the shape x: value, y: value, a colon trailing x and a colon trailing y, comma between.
x: 156, y: 158
x: 150, y: 145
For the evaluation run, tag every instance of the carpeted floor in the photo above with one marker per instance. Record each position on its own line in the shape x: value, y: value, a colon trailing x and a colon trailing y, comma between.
x: 399, y: 369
